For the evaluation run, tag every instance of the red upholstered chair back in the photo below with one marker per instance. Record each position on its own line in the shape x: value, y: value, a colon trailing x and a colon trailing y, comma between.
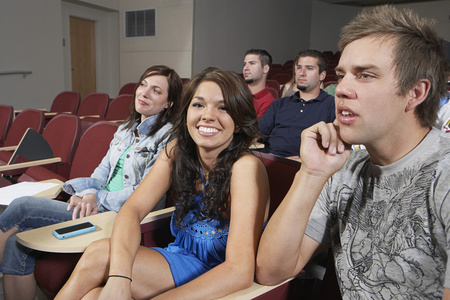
x: 128, y: 88
x: 63, y: 134
x: 67, y: 101
x: 281, y: 172
x: 92, y: 148
x: 282, y: 78
x: 274, y: 92
x: 119, y: 108
x: 94, y: 104
x: 6, y: 117
x: 28, y: 118
x: 273, y: 84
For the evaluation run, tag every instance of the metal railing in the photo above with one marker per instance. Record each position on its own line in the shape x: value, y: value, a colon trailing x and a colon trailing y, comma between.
x: 23, y: 73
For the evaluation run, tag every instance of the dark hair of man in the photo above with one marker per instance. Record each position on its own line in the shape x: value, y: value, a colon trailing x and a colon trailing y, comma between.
x: 418, y: 51
x: 264, y: 56
x: 322, y: 61
x: 174, y: 96
x: 186, y: 168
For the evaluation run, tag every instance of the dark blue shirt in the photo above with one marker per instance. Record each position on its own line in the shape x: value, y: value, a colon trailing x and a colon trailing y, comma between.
x: 284, y: 121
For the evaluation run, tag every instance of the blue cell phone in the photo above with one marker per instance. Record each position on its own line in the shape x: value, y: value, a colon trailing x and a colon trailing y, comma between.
x: 73, y: 230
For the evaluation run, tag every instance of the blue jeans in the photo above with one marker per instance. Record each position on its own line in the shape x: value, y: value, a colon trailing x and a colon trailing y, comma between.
x: 27, y: 213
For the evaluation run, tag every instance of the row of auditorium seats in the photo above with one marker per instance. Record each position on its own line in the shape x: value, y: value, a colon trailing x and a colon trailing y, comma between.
x: 92, y: 108
x: 79, y: 152
x: 94, y: 105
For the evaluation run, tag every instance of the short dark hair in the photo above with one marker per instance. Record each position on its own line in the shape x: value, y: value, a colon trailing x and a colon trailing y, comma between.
x: 322, y: 61
x: 418, y: 51
x: 264, y: 56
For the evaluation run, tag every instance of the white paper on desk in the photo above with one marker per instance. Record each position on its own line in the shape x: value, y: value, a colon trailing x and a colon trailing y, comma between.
x: 11, y: 192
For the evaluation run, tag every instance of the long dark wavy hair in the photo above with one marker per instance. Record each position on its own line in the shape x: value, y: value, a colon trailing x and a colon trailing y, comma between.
x: 186, y: 171
x: 174, y: 95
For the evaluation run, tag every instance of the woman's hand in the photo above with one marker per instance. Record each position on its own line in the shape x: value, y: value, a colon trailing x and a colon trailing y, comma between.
x: 83, y: 207
x: 116, y: 288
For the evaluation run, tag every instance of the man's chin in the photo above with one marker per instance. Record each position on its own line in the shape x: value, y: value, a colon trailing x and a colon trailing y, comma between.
x: 249, y: 80
x: 301, y: 87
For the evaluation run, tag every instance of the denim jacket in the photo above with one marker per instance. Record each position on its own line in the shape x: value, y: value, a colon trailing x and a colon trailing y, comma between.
x: 142, y: 155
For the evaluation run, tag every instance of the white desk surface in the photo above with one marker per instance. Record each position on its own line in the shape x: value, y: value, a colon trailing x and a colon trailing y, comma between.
x: 42, y: 239
x: 53, y: 192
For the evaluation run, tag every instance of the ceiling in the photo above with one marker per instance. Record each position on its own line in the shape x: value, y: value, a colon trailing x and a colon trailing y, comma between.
x: 372, y: 2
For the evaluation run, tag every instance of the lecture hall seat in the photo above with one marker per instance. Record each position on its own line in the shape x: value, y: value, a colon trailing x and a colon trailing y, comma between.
x: 128, y: 88
x: 275, y: 85
x: 282, y: 78
x: 94, y: 104
x: 91, y: 149
x: 28, y: 118
x: 118, y: 110
x: 62, y: 133
x: 66, y: 102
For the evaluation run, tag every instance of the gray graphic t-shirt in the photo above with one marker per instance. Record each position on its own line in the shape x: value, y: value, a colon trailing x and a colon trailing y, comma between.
x: 389, y: 227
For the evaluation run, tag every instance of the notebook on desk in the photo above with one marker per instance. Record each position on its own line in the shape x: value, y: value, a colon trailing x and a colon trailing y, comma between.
x: 46, y: 189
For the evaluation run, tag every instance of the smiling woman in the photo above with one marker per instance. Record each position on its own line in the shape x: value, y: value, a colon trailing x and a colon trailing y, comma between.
x: 209, y: 124
x: 222, y: 201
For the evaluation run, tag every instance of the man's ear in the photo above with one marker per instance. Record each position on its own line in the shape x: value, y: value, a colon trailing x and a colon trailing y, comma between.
x: 418, y: 94
x: 266, y: 69
x: 322, y: 75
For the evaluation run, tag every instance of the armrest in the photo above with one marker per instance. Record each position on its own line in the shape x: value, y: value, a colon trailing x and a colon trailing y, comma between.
x: 54, y: 113
x: 89, y: 116
x: 257, y: 145
x: 18, y: 111
x: 158, y: 215
x: 255, y: 291
x: 8, y: 148
x: 28, y: 164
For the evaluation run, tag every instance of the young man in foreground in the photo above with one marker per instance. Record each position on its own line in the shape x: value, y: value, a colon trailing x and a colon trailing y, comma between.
x: 385, y: 211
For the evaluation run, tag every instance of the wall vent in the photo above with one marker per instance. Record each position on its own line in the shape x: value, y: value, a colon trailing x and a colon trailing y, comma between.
x: 140, y: 23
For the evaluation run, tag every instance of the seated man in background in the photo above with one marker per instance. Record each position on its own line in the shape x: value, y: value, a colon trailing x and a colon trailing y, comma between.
x: 384, y: 211
x: 257, y: 63
x: 287, y: 117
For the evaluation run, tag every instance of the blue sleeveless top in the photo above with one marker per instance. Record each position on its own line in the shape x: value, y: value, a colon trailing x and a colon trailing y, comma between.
x: 199, y: 245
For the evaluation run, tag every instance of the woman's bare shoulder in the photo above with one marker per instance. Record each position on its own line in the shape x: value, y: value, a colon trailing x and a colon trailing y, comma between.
x: 249, y: 161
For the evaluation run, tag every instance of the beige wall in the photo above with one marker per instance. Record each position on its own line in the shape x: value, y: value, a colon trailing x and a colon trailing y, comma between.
x: 172, y: 45
x: 437, y: 10
x: 225, y: 30
x: 30, y: 38
x: 32, y: 35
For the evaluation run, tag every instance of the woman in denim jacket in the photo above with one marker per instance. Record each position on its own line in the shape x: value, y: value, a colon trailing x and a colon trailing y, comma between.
x: 132, y: 153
